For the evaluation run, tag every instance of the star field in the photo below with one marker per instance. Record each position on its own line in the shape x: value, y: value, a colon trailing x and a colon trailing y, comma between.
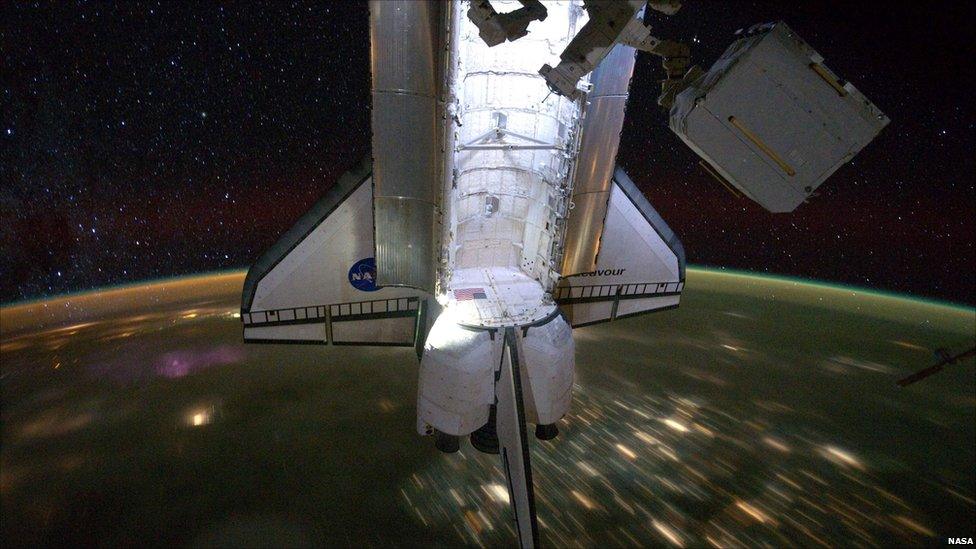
x: 145, y: 140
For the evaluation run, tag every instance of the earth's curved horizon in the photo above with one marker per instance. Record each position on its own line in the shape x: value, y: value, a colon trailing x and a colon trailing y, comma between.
x: 228, y: 277
x: 762, y: 411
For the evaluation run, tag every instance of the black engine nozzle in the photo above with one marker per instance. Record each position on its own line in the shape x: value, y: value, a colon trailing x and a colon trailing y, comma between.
x: 546, y: 431
x: 485, y: 438
x: 447, y: 443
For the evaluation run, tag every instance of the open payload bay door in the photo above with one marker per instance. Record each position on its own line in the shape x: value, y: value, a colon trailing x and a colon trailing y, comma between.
x: 640, y: 267
x: 317, y: 284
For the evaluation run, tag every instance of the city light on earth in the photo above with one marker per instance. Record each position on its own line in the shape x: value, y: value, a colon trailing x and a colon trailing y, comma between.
x: 200, y: 417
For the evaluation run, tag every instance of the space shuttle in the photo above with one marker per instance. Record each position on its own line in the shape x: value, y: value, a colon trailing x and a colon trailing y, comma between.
x: 492, y: 219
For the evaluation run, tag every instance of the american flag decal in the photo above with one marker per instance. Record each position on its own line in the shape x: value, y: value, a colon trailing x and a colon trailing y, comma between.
x: 467, y: 294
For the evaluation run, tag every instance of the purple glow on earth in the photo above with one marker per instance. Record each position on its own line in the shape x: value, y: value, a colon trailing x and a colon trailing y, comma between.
x: 171, y: 364
x: 176, y: 364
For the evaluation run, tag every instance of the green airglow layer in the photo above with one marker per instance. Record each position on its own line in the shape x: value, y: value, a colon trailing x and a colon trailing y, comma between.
x: 694, y: 270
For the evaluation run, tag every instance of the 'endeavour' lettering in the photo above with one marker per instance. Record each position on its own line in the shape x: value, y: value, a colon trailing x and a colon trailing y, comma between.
x: 602, y: 272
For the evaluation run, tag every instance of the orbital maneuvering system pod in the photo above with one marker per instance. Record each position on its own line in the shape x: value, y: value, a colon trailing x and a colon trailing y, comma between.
x: 491, y: 219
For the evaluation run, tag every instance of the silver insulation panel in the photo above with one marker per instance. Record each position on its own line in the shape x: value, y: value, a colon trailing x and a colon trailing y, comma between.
x: 604, y: 119
x: 404, y: 59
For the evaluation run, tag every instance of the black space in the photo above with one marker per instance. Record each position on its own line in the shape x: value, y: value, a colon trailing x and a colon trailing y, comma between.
x: 145, y: 140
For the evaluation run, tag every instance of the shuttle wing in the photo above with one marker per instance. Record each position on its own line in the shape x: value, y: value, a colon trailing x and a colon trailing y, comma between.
x: 640, y: 267
x: 317, y: 284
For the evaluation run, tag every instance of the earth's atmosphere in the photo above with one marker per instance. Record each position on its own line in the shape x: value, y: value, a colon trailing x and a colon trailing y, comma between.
x: 762, y: 411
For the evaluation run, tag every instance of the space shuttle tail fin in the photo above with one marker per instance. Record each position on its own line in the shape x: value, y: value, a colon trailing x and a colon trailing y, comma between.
x: 317, y: 284
x: 513, y: 441
x: 640, y: 266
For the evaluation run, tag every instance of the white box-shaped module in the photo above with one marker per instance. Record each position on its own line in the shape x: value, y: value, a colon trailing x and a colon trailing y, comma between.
x: 772, y: 120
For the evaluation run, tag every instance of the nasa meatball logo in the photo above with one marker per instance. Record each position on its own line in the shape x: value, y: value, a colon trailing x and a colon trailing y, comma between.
x: 362, y: 275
